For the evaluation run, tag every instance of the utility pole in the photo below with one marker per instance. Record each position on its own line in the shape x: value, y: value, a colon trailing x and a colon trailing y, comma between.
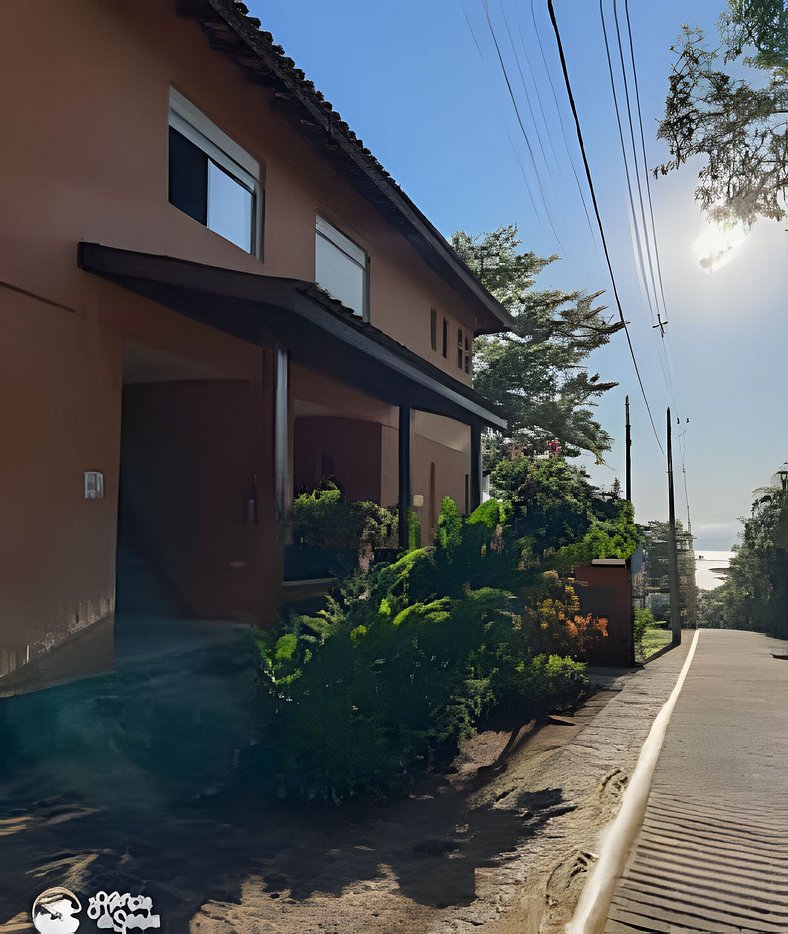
x: 673, y: 560
x: 692, y: 594
x: 628, y: 483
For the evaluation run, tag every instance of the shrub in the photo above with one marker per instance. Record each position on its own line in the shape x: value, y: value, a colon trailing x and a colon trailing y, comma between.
x: 644, y: 619
x: 448, y: 535
x: 322, y: 518
x: 386, y: 681
x: 406, y: 661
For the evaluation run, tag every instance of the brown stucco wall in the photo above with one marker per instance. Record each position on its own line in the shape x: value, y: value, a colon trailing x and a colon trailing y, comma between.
x: 188, y: 465
x: 349, y: 449
x: 89, y: 162
x: 446, y: 444
x: 606, y: 590
x: 61, y: 382
x: 86, y: 128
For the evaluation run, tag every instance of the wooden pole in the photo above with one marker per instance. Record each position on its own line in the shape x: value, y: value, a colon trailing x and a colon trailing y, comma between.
x: 673, y: 560
x: 628, y: 485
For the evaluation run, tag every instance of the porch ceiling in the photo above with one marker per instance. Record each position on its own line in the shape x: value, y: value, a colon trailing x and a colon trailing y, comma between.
x: 318, y: 331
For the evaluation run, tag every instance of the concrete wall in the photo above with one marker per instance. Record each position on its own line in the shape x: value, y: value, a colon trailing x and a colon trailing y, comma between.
x: 440, y: 463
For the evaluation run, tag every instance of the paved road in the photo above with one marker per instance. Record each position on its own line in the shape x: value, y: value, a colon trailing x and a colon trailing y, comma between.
x: 712, y: 854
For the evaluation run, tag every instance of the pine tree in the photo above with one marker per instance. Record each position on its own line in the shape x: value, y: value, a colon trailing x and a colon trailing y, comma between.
x: 537, y: 374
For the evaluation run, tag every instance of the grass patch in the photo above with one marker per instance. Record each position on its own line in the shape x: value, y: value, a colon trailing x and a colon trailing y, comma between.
x: 654, y: 639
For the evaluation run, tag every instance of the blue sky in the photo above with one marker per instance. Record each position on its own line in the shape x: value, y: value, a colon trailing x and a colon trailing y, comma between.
x: 420, y: 83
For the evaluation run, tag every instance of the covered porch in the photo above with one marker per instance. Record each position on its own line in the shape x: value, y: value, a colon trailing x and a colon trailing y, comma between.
x: 340, y: 395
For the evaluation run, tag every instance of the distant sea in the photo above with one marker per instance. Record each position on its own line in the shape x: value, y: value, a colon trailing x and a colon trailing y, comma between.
x: 707, y: 575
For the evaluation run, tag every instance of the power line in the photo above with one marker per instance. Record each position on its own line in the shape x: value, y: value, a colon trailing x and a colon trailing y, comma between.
x: 666, y: 351
x: 561, y: 122
x: 509, y: 135
x: 530, y: 108
x: 535, y: 85
x: 643, y: 146
x: 634, y: 149
x: 626, y: 162
x: 520, y: 120
x: 641, y: 245
x: 589, y: 179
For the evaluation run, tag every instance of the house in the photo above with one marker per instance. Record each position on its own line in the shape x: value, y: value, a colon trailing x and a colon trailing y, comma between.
x: 211, y: 294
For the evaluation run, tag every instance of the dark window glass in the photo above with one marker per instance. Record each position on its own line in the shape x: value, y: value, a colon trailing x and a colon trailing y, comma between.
x: 188, y: 177
x: 467, y: 356
x: 445, y: 338
x: 433, y: 329
x: 459, y: 348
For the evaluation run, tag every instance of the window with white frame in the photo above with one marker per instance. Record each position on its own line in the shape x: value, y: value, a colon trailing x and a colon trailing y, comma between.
x: 341, y: 267
x: 213, y: 179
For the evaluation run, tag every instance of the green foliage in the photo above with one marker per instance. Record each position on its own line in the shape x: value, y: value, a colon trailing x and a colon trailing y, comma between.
x: 414, y: 530
x: 614, y: 537
x: 644, y: 619
x: 406, y: 661
x: 449, y: 532
x: 738, y: 126
x: 492, y: 514
x: 537, y: 374
x: 755, y: 593
x: 551, y: 501
x: 324, y: 519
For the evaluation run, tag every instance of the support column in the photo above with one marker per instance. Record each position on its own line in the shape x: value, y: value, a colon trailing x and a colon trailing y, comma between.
x: 404, y: 472
x: 281, y: 435
x: 476, y: 467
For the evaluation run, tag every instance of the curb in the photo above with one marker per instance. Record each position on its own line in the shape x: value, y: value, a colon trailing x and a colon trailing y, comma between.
x: 592, y: 909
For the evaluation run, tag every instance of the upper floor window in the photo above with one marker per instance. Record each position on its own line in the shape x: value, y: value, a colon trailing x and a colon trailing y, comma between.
x: 213, y: 179
x: 433, y: 329
x: 341, y: 267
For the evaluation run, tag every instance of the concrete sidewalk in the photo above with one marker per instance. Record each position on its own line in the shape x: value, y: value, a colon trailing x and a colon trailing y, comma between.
x: 712, y: 853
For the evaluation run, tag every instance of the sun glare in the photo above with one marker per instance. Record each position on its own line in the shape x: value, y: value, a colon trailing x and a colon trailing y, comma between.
x: 717, y: 245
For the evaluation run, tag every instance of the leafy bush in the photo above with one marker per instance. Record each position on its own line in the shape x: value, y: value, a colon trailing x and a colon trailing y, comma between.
x: 370, y: 693
x: 644, y: 619
x: 322, y: 518
x: 614, y: 537
x: 448, y: 535
x: 409, y: 659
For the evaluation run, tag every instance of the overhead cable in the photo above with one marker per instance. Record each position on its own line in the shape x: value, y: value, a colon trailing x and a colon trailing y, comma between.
x: 643, y: 145
x: 561, y: 122
x: 513, y: 98
x: 641, y: 245
x: 590, y: 181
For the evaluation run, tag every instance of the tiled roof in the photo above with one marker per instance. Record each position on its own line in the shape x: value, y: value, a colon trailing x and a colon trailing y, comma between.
x: 231, y: 30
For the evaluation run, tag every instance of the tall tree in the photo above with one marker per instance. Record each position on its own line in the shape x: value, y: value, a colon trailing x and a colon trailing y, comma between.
x: 537, y: 373
x: 739, y: 126
x: 755, y: 593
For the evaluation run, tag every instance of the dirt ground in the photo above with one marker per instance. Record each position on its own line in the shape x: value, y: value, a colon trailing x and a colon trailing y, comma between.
x: 501, y: 848
x: 125, y: 783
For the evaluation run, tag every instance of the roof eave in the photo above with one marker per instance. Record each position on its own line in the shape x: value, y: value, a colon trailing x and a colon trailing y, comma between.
x: 490, y: 315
